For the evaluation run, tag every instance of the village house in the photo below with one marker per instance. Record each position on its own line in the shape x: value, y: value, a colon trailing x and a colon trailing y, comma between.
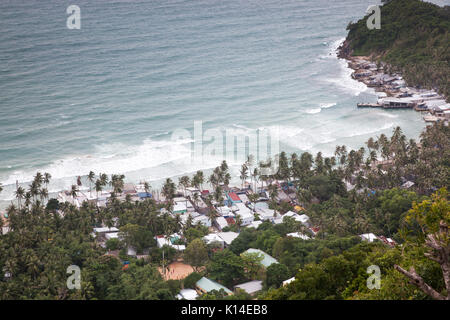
x: 204, y: 220
x: 267, y: 259
x: 187, y: 294
x: 161, y: 241
x: 298, y: 235
x: 214, y: 238
x: 251, y: 287
x: 245, y: 213
x: 221, y: 223
x: 205, y: 285
x: 227, y: 237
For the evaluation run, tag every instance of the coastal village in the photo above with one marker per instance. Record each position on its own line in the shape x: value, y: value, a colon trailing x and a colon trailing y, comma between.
x: 394, y: 93
x: 225, y: 215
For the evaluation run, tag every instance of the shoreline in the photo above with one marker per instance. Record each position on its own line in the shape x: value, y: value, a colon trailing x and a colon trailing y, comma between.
x: 392, y: 90
x: 352, y: 63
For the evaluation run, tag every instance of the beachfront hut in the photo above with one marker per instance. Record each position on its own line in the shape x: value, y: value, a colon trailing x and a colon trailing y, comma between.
x: 267, y: 259
x: 205, y: 285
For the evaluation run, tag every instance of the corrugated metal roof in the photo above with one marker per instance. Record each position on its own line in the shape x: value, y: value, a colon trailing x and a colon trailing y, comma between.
x: 208, y: 285
x: 267, y: 260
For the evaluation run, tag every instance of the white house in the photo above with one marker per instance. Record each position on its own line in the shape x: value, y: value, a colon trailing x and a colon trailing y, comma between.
x: 203, y: 220
x: 112, y: 235
x: 302, y: 218
x: 298, y: 235
x: 167, y: 241
x: 221, y: 222
x: 224, y: 211
x: 286, y: 282
x: 187, y: 294
x: 266, y: 214
x: 254, y: 224
x: 213, y: 237
x: 368, y: 237
x: 228, y: 237
x: 245, y: 213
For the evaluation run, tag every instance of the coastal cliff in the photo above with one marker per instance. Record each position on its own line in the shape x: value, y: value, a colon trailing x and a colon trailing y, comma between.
x: 413, y: 40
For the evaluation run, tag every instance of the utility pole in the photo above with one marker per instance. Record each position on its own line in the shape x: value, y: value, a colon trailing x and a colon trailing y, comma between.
x: 164, y: 269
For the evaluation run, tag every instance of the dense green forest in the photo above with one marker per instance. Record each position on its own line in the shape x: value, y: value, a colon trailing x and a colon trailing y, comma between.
x: 45, y: 239
x: 414, y: 39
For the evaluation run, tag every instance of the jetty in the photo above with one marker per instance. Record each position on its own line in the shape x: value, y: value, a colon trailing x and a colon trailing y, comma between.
x: 368, y: 105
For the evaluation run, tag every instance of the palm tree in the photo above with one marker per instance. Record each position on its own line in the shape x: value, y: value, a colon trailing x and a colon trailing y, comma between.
x: 218, y: 195
x: 38, y: 178
x: 212, y: 215
x: 212, y: 180
x: 47, y: 177
x: 73, y: 191
x: 91, y: 178
x: 239, y: 222
x: 44, y: 194
x: 255, y: 175
x: 168, y: 190
x: 20, y: 193
x: 273, y: 193
x: 198, y: 180
x: 98, y: 186
x: 104, y: 179
x: 184, y: 182
x: 1, y: 188
x: 34, y: 189
x: 147, y: 187
x: 28, y: 197
x: 195, y: 197
x: 243, y: 174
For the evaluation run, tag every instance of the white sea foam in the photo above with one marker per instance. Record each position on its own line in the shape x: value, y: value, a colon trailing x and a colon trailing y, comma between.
x: 109, y: 159
x: 327, y: 105
x: 344, y: 79
x: 313, y: 110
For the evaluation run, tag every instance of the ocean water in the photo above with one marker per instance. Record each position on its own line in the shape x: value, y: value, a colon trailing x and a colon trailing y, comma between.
x: 109, y: 96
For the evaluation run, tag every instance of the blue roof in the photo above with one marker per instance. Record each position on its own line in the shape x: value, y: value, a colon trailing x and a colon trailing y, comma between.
x: 144, y: 195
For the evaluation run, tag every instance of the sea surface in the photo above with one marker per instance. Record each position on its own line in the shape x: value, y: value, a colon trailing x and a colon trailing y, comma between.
x: 109, y: 96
